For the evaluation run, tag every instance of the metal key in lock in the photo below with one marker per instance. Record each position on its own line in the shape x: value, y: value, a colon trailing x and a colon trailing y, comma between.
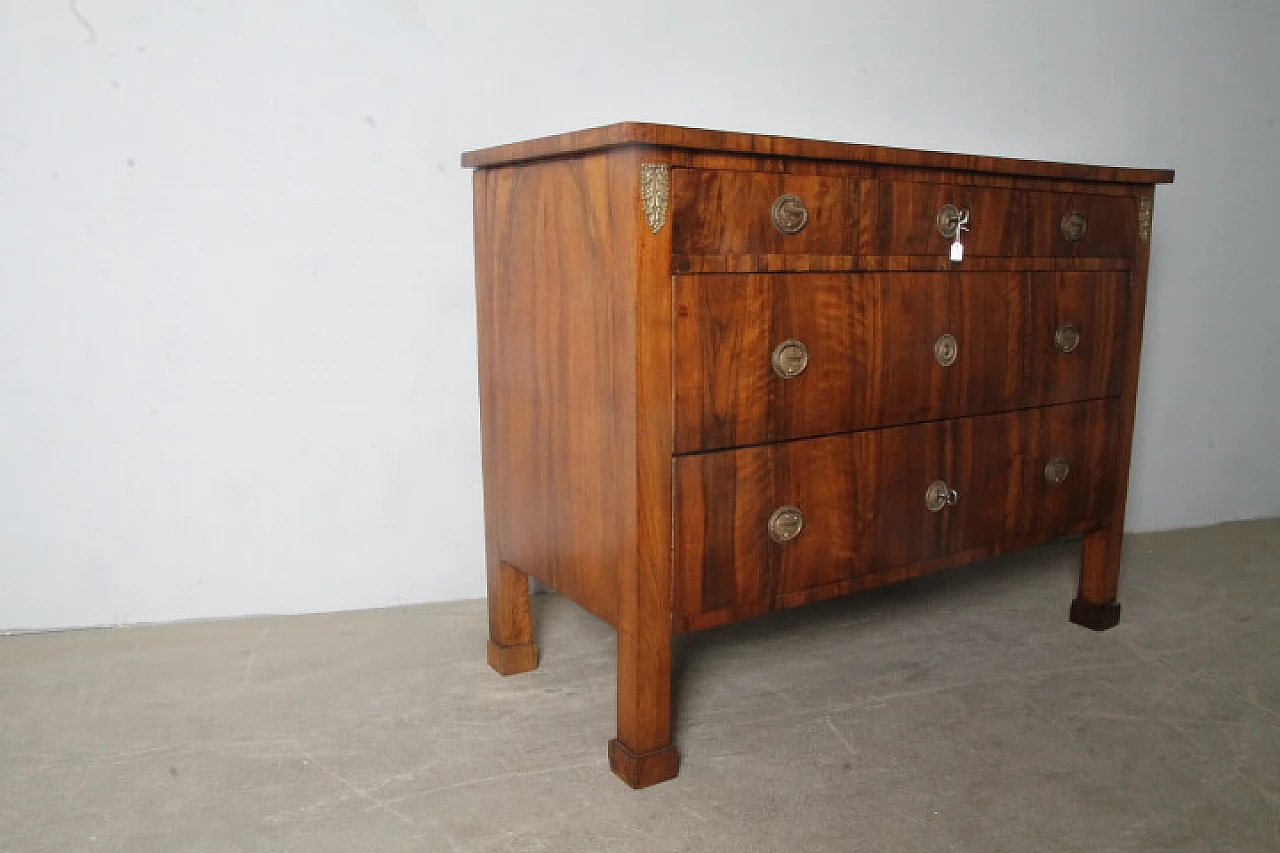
x: 957, y: 247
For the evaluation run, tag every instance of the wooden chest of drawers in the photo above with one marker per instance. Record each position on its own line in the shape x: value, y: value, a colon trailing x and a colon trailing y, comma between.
x: 722, y: 374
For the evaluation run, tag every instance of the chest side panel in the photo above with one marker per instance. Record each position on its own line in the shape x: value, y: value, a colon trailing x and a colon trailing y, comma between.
x: 557, y: 370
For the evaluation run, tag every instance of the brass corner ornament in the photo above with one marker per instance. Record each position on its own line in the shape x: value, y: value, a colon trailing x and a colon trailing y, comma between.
x: 655, y: 190
x: 1144, y: 218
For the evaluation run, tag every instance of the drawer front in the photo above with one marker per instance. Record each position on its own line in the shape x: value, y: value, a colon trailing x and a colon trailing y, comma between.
x: 757, y: 213
x: 729, y: 391
x: 861, y: 500
x: 1039, y: 473
x: 1079, y: 323
x: 864, y: 351
x: 900, y: 218
x: 763, y: 525
x: 1066, y: 225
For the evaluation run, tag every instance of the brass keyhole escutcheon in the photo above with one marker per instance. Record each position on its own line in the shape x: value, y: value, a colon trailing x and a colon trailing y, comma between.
x: 785, y: 524
x: 945, y: 350
x: 1073, y: 226
x: 789, y: 359
x: 1067, y: 337
x: 1056, y: 471
x: 790, y: 216
x: 950, y: 219
x: 939, y: 496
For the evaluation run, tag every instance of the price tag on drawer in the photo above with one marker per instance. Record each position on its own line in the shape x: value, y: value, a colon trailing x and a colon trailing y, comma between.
x: 953, y: 222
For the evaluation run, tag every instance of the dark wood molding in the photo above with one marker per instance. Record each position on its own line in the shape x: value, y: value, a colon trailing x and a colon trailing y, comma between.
x: 696, y: 139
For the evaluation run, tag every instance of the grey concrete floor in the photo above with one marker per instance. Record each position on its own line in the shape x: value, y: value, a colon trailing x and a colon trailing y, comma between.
x: 958, y: 712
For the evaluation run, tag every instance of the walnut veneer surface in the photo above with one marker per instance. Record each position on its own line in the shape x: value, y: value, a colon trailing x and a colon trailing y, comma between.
x: 722, y: 374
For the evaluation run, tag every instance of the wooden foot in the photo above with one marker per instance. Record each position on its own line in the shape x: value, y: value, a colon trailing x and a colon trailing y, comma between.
x: 511, y: 660
x: 1097, y: 617
x: 644, y: 751
x: 1095, y: 605
x: 511, y: 645
x: 641, y: 771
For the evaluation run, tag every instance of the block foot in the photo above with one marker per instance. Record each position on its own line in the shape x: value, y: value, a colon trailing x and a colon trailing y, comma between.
x: 641, y: 771
x: 511, y: 660
x: 1097, y: 617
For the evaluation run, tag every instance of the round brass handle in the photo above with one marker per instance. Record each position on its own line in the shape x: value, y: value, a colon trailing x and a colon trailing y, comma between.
x: 939, y: 496
x: 1067, y: 337
x: 1073, y: 226
x: 1056, y: 470
x: 790, y: 216
x: 789, y: 359
x: 950, y: 220
x: 945, y: 350
x: 785, y: 524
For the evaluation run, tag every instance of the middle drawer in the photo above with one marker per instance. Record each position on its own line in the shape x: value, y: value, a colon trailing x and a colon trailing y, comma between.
x: 760, y: 358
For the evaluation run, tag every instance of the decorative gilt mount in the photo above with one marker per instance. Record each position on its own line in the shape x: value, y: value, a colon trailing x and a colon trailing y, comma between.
x: 655, y: 190
x: 1144, y: 218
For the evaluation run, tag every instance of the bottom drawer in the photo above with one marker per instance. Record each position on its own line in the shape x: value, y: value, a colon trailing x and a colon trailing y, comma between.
x: 767, y: 526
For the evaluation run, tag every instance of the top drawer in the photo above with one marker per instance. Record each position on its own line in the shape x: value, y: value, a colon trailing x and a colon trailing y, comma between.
x: 735, y: 221
x: 902, y: 218
x: 718, y: 213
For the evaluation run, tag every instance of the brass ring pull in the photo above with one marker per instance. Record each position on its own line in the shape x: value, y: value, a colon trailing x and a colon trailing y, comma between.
x: 1073, y: 226
x: 790, y: 216
x: 789, y: 359
x: 951, y: 220
x: 939, y: 496
x: 1056, y: 470
x: 1066, y: 338
x: 785, y: 524
x: 945, y: 350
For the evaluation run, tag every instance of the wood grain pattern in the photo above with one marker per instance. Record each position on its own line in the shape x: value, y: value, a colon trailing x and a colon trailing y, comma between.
x: 988, y: 318
x: 897, y: 574
x: 871, y: 340
x: 899, y: 218
x: 1111, y: 225
x: 1095, y: 605
x: 929, y: 263
x: 761, y: 263
x: 690, y: 264
x: 511, y: 648
x: 997, y: 464
x: 723, y: 558
x: 870, y: 344
x: 552, y: 404
x: 871, y: 352
x: 575, y: 369
x: 644, y: 752
x: 855, y: 170
x: 862, y: 499
x: 1099, y: 306
x: 862, y: 495
x: 729, y: 213
x: 668, y: 136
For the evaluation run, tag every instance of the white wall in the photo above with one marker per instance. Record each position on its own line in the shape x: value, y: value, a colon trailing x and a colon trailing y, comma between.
x: 237, y: 368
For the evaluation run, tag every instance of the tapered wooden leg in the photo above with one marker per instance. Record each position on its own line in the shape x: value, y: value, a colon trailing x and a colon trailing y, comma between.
x: 643, y: 753
x: 511, y: 645
x: 1095, y: 605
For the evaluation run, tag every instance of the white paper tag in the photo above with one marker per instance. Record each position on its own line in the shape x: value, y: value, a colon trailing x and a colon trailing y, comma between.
x: 957, y: 251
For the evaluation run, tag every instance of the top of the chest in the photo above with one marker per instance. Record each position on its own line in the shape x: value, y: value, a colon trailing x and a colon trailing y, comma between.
x: 758, y: 145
